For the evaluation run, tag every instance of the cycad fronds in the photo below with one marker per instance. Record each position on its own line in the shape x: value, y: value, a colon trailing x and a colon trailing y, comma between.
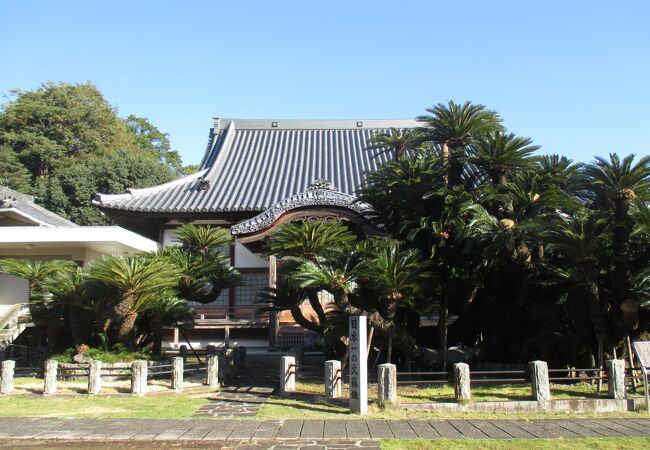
x: 458, y: 125
x: 499, y: 155
x: 397, y: 142
x: 310, y: 240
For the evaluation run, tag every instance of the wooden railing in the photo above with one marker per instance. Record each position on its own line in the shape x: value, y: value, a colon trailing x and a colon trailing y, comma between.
x: 225, y: 313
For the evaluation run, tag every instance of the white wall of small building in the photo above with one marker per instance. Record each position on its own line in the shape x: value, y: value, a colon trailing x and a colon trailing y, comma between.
x: 244, y: 258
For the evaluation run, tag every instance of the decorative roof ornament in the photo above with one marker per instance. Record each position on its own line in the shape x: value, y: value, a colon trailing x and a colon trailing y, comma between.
x: 8, y: 202
x: 319, y: 194
x: 321, y: 183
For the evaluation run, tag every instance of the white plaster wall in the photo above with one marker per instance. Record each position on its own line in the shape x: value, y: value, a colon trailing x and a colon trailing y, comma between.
x: 12, y: 290
x: 169, y: 238
x: 244, y: 259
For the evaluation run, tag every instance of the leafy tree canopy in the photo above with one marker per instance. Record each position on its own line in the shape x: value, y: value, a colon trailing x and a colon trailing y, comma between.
x: 65, y: 142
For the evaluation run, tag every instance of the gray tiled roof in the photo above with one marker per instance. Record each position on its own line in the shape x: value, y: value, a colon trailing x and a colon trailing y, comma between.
x: 251, y: 164
x: 10, y: 199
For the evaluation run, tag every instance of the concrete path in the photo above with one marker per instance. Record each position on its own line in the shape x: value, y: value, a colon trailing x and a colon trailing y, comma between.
x: 241, y: 401
x: 351, y: 432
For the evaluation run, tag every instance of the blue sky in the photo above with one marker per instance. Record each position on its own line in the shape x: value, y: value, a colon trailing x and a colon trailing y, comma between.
x: 573, y: 75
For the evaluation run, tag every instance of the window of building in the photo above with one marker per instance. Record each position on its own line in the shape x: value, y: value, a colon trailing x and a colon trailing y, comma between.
x: 252, y: 285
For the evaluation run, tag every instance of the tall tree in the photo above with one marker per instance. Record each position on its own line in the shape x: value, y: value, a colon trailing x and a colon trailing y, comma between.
x: 454, y: 126
x: 13, y: 173
x: 500, y: 155
x: 151, y: 140
x: 58, y: 120
x: 70, y: 190
x: 397, y: 142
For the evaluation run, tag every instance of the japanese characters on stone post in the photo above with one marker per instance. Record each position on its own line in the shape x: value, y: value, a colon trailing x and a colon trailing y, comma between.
x: 358, y: 365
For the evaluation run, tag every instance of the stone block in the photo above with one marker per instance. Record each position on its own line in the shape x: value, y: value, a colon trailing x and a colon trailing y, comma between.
x: 94, y: 377
x: 51, y: 368
x: 616, y: 379
x: 7, y: 380
x: 462, y: 389
x: 177, y: 373
x: 387, y: 385
x: 333, y: 379
x: 212, y: 372
x: 287, y: 374
x: 539, y: 382
x: 139, y: 373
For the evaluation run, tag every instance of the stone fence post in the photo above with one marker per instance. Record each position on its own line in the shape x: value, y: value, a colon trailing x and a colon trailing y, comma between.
x: 387, y: 385
x: 51, y: 367
x: 287, y: 374
x: 94, y: 377
x: 7, y: 381
x: 462, y: 389
x: 212, y: 372
x: 177, y: 373
x: 139, y: 370
x: 332, y: 379
x: 539, y: 380
x: 616, y: 379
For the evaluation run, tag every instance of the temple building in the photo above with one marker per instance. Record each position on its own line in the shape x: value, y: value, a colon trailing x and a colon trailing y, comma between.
x: 254, y: 176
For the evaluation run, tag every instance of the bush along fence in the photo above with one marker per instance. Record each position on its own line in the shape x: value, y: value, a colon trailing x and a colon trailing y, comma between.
x: 219, y: 367
x: 538, y: 375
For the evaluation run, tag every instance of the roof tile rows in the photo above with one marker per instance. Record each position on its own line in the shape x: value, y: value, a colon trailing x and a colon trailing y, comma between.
x: 253, y: 164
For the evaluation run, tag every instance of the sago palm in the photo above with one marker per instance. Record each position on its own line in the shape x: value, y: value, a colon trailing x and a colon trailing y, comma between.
x: 500, y: 155
x: 310, y: 240
x: 45, y: 312
x: 138, y: 279
x: 454, y: 127
x: 204, y: 239
x: 397, y: 142
x: 579, y: 240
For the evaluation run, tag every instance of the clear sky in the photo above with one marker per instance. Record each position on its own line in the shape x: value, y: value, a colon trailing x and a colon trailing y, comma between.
x: 573, y: 75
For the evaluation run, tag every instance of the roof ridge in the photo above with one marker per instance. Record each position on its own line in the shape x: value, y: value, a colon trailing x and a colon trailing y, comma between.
x: 305, y: 124
x: 136, y: 192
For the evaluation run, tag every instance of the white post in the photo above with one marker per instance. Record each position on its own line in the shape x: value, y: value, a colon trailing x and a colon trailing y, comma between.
x: 387, y: 385
x: 51, y: 367
x: 332, y: 379
x: 287, y: 374
x: 616, y: 379
x: 358, y: 335
x: 461, y: 382
x: 539, y: 380
x: 94, y: 377
x: 139, y: 371
x: 212, y: 373
x: 177, y: 373
x: 7, y: 381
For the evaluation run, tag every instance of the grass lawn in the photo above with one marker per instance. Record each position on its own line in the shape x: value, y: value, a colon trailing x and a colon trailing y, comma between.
x: 517, y: 444
x: 152, y: 407
x: 315, y: 407
x: 483, y: 393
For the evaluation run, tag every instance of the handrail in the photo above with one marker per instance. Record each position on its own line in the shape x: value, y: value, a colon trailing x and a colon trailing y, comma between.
x: 11, y: 314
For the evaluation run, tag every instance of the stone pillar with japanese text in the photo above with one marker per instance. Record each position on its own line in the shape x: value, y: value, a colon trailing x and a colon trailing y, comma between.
x: 358, y: 364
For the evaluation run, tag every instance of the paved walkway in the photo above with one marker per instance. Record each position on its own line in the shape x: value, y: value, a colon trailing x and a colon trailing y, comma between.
x: 240, y: 401
x: 351, y: 432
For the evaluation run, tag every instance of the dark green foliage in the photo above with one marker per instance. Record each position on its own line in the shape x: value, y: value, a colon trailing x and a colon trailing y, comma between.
x: 151, y: 140
x: 70, y: 190
x: 530, y: 253
x: 65, y: 142
x: 12, y: 173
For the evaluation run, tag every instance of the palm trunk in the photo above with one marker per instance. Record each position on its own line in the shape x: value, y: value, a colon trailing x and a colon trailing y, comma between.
x: 317, y: 307
x: 125, y: 328
x: 445, y: 162
x: 301, y: 320
x: 443, y: 315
